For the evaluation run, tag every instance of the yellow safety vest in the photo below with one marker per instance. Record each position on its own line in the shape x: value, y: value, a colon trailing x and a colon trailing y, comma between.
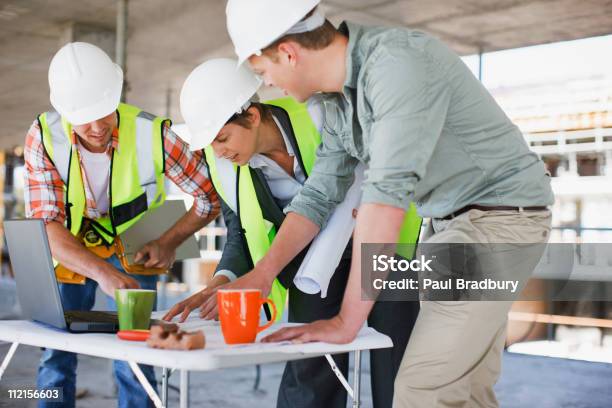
x: 136, y: 182
x: 260, y: 232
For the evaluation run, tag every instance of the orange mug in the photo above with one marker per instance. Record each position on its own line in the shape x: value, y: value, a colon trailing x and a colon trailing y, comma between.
x: 239, y: 314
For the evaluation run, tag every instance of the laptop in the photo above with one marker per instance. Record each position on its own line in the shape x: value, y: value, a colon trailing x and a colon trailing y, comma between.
x: 37, y: 287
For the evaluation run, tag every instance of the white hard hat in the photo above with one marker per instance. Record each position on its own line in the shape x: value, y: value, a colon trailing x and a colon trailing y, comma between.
x: 253, y: 25
x: 85, y: 84
x: 211, y: 94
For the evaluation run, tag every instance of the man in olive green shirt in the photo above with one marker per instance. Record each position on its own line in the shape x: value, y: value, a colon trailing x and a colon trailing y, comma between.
x: 405, y: 105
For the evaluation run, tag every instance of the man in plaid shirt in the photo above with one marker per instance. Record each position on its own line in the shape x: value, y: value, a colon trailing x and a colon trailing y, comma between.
x: 100, y: 132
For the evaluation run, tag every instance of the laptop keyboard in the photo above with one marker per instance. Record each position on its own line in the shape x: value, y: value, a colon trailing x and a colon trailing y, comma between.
x: 91, y: 316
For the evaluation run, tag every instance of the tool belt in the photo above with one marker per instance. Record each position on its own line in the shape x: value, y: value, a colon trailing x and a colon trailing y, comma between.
x: 95, y: 244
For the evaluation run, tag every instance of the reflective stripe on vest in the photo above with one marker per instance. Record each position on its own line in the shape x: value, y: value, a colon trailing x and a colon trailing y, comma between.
x: 138, y: 164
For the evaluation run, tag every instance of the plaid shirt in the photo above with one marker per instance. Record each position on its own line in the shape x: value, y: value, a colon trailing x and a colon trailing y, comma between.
x: 44, y: 188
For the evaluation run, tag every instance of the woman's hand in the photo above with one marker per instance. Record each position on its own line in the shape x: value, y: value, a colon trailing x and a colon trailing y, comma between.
x: 196, y: 300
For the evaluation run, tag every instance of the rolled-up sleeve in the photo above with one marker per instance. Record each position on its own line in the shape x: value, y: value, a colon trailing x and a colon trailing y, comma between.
x: 409, y: 101
x: 44, y: 188
x: 328, y: 182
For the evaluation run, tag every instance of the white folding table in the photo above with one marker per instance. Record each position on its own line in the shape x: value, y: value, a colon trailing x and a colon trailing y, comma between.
x: 216, y: 354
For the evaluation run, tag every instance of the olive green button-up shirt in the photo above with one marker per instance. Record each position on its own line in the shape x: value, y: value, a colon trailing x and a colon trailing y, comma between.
x: 426, y: 128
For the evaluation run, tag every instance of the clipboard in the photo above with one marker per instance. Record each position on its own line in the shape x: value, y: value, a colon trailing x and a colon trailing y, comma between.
x: 153, y: 225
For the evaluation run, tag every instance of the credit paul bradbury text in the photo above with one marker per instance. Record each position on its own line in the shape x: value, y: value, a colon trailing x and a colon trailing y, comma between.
x: 384, y: 263
x: 473, y: 271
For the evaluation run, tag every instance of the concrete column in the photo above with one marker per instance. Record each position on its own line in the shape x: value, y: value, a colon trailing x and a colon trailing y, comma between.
x: 480, y: 62
x: 608, y: 163
x: 121, y: 42
x: 96, y: 35
x: 573, y: 164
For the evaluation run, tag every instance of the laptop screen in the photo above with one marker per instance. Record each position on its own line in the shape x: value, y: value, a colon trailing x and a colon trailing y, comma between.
x: 37, y: 288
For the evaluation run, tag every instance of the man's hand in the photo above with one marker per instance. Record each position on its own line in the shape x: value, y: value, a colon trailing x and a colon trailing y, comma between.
x: 156, y: 254
x: 344, y: 327
x: 255, y: 279
x: 113, y: 279
x: 196, y: 300
x: 329, y: 331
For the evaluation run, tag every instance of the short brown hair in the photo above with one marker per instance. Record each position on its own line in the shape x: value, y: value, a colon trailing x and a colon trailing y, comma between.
x: 243, y: 119
x: 316, y: 39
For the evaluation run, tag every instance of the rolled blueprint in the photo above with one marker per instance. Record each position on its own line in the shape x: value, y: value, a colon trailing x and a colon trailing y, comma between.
x: 326, y: 249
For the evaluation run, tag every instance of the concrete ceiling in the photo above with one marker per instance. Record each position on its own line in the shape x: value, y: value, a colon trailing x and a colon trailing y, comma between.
x: 167, y: 38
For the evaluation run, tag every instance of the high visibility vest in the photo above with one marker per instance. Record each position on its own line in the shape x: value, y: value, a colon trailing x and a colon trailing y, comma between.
x: 136, y: 182
x: 259, y: 232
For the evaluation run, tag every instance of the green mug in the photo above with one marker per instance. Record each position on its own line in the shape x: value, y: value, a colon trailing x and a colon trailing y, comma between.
x: 134, y: 308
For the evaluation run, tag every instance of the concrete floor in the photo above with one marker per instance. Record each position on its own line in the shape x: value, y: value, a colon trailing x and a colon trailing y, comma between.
x: 527, y: 381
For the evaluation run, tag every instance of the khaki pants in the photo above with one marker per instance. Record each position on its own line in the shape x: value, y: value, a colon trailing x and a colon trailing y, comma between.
x: 453, y: 358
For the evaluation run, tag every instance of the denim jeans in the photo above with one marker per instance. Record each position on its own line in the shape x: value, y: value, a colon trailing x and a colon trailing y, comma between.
x: 58, y: 368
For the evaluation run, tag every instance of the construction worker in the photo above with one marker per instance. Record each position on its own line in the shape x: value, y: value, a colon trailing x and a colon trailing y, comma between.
x: 431, y: 134
x: 94, y: 167
x: 259, y: 155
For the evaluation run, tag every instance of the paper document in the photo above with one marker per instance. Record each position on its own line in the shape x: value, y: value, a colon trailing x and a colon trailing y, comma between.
x: 327, y: 248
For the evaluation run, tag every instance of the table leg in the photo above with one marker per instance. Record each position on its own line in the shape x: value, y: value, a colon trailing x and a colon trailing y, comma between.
x: 339, y: 374
x: 355, y: 392
x: 184, y: 390
x: 146, y: 385
x: 164, y: 386
x: 357, y: 380
x: 8, y: 358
